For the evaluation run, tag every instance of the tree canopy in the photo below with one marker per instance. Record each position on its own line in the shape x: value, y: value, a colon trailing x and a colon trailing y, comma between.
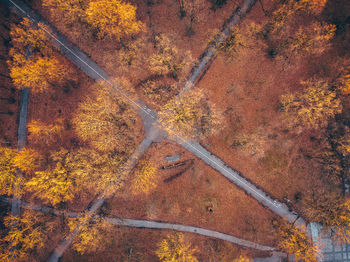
x: 24, y: 234
x: 34, y: 64
x: 105, y: 122
x: 190, y: 115
x: 145, y: 178
x: 12, y: 161
x: 312, y: 107
x: 113, y: 17
x: 294, y: 241
x: 175, y: 248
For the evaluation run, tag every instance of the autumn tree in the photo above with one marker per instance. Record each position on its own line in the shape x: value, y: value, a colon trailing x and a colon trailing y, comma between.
x: 294, y: 241
x: 290, y: 39
x: 242, y: 37
x: 168, y: 59
x: 93, y: 236
x: 175, y: 248
x: 12, y: 161
x: 158, y: 92
x: 71, y: 10
x: 105, y: 121
x: 311, y: 108
x: 27, y: 38
x: 132, y: 53
x: 53, y: 185
x: 343, y: 81
x: 312, y: 39
x: 113, y: 17
x: 34, y: 63
x: 333, y: 212
x: 80, y: 172
x: 24, y: 234
x: 92, y: 171
x: 40, y: 75
x: 145, y: 178
x: 194, y: 11
x: 286, y: 12
x: 47, y: 134
x: 190, y: 115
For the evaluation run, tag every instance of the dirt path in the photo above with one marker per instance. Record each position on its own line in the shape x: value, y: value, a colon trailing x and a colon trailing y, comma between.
x: 152, y: 225
x: 97, y: 203
x: 211, y: 51
x: 21, y: 142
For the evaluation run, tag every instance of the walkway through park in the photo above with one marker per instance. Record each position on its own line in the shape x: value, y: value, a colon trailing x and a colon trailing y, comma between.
x: 149, y: 116
x: 150, y: 224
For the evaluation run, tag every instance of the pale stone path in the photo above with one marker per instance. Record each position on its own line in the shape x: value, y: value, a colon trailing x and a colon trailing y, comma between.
x: 152, y: 225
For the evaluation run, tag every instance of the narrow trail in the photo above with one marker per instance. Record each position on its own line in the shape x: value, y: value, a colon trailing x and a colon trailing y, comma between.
x: 211, y: 51
x: 99, y: 201
x: 127, y: 222
x: 21, y: 142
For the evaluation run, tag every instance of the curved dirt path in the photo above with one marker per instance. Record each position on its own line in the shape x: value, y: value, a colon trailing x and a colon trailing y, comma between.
x: 137, y: 223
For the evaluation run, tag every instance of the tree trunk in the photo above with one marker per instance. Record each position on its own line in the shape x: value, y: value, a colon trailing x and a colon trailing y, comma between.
x: 10, y: 100
x: 182, y: 9
x: 5, y: 76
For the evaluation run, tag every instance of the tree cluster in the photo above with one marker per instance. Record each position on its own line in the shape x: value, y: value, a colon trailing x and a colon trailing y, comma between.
x: 113, y: 18
x: 34, y: 63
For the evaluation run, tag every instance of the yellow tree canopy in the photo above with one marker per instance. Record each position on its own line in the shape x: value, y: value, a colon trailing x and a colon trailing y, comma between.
x: 333, y: 212
x: 10, y: 161
x: 70, y: 9
x: 294, y: 241
x: 174, y: 248
x: 94, y: 236
x: 242, y: 258
x: 91, y: 170
x: 27, y: 35
x: 168, y: 59
x: 53, y: 185
x: 40, y: 75
x: 145, y: 178
x: 34, y: 64
x: 190, y: 115
x: 312, y: 108
x: 343, y: 82
x: 25, y: 234
x: 105, y: 122
x: 113, y: 17
x: 42, y: 133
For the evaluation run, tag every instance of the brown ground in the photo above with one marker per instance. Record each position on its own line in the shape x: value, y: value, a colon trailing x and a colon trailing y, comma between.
x: 199, y: 197
x: 8, y: 122
x: 136, y: 245
x: 248, y: 90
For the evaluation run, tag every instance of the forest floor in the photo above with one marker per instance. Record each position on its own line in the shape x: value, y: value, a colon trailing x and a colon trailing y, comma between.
x: 246, y: 89
x: 8, y: 108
